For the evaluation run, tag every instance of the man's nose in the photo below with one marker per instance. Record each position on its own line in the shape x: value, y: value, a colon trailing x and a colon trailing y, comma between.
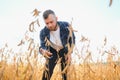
x: 49, y: 25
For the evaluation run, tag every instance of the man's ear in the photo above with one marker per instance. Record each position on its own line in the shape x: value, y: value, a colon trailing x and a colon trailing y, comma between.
x: 56, y: 18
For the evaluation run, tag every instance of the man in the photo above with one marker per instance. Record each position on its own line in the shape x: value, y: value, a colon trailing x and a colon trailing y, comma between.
x: 54, y: 40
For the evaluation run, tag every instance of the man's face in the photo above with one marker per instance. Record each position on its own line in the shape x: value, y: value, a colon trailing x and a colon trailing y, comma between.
x: 51, y: 22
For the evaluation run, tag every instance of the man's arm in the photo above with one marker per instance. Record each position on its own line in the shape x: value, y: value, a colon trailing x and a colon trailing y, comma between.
x: 42, y: 40
x: 43, y: 47
x: 71, y: 43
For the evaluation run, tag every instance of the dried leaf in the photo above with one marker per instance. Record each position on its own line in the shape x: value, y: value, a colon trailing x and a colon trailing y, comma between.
x: 31, y: 26
x: 83, y: 38
x: 110, y: 2
x: 105, y: 41
x: 36, y: 12
x: 21, y: 42
x: 38, y: 23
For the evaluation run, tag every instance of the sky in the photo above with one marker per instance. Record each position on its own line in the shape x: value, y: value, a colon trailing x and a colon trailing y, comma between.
x: 93, y: 19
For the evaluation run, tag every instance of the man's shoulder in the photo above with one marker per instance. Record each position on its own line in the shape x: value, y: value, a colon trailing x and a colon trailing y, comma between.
x: 63, y: 23
x: 44, y: 30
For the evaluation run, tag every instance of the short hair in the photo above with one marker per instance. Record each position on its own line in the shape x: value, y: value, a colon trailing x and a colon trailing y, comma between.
x: 47, y: 13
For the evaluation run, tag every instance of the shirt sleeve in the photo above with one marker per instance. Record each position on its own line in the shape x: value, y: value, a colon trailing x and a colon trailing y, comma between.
x: 71, y: 38
x: 42, y: 40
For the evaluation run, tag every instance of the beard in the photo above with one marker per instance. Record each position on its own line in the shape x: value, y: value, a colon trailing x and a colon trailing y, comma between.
x: 53, y: 28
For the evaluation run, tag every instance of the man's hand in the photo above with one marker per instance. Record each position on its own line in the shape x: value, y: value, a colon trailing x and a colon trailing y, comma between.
x: 45, y: 53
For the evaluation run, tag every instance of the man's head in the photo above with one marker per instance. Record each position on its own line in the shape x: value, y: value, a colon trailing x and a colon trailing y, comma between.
x: 50, y: 19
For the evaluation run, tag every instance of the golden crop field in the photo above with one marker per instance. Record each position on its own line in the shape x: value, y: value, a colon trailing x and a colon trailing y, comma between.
x: 29, y: 65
